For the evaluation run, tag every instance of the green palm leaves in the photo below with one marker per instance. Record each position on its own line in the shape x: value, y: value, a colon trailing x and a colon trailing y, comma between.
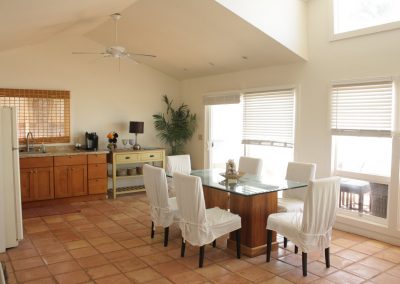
x: 176, y: 126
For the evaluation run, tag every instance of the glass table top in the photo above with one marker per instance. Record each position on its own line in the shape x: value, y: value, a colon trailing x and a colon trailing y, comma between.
x: 245, y: 185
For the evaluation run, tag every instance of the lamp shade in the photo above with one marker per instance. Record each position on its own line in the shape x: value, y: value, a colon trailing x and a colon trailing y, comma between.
x: 136, y: 127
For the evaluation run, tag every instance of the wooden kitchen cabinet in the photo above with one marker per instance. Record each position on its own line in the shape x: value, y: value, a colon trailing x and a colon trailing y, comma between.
x: 97, y: 174
x: 37, y: 179
x: 70, y: 176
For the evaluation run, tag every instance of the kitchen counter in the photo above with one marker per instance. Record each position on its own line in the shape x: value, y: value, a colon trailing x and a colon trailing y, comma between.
x: 52, y: 151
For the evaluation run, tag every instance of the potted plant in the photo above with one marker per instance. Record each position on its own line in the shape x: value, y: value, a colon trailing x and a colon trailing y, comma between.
x: 176, y: 126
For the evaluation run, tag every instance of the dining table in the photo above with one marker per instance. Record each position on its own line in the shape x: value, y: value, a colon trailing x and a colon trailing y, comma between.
x: 252, y: 197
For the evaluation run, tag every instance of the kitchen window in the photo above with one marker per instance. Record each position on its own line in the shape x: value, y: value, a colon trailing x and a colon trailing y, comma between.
x: 359, y: 17
x: 361, y: 123
x: 45, y: 113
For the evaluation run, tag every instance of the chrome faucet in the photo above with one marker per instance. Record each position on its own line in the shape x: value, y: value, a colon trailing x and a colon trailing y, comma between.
x: 29, y: 147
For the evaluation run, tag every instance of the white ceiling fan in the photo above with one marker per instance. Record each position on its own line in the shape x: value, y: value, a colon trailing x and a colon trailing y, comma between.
x: 117, y: 51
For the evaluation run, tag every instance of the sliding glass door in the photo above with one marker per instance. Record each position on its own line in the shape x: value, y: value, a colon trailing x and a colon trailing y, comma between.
x: 225, y: 134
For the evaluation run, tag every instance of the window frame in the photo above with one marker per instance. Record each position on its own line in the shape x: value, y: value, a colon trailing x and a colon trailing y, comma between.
x: 343, y: 213
x: 359, y: 32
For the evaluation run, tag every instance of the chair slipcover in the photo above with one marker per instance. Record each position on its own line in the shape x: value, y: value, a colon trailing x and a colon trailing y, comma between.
x: 293, y: 199
x: 163, y: 210
x: 311, y: 229
x: 199, y: 225
x: 251, y: 166
x: 179, y: 164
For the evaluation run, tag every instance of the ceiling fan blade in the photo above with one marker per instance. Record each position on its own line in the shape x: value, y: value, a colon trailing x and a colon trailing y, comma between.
x: 83, y: 52
x: 131, y: 58
x: 141, y: 54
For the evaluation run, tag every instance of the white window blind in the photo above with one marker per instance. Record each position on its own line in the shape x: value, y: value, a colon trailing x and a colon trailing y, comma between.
x: 363, y: 109
x: 222, y: 98
x: 268, y: 118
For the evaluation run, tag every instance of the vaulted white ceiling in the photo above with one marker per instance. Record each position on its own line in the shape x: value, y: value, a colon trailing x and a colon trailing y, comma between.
x: 191, y: 38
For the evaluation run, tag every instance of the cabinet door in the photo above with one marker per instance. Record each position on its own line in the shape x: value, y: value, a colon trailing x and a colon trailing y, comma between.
x: 26, y: 176
x: 44, y: 184
x: 78, y: 180
x: 61, y: 177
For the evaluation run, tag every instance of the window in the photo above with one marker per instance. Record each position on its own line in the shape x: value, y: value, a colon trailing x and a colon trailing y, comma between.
x: 261, y: 125
x: 356, y: 15
x: 361, y: 130
x: 45, y: 113
x: 268, y: 127
x: 268, y: 118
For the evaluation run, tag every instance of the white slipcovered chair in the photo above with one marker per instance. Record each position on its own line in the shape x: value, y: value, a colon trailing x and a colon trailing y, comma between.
x: 311, y: 229
x: 163, y: 210
x: 251, y: 166
x: 293, y: 199
x: 177, y: 164
x: 201, y: 226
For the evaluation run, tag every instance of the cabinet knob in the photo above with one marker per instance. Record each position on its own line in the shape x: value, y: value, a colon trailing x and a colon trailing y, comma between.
x: 151, y: 156
x: 127, y: 158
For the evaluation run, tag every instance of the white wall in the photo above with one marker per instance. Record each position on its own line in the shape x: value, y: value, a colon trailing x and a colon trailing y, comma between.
x: 362, y: 57
x: 283, y: 20
x: 103, y: 99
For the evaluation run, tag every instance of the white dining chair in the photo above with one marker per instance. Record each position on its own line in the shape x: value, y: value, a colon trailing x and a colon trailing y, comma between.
x: 163, y: 210
x: 293, y: 199
x: 177, y: 164
x: 251, y: 166
x: 311, y: 229
x: 201, y: 226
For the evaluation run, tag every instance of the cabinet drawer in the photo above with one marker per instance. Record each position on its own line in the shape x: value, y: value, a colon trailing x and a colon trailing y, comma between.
x: 70, y: 160
x: 127, y: 158
x: 97, y: 171
x: 151, y: 156
x: 97, y: 159
x: 36, y: 162
x: 98, y: 186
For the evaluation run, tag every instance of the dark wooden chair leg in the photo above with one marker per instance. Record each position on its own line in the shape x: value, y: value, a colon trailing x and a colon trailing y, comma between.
x: 201, y: 257
x: 238, y: 243
x: 166, y: 233
x: 183, y: 246
x: 304, y: 263
x: 152, y: 230
x: 269, y: 244
x: 284, y: 242
x: 296, y: 249
x: 327, y: 258
x: 215, y: 243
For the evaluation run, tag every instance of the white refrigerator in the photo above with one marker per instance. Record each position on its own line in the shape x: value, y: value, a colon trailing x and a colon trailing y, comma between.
x: 11, y: 231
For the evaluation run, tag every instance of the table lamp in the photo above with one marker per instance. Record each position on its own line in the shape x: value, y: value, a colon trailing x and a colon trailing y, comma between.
x: 136, y: 127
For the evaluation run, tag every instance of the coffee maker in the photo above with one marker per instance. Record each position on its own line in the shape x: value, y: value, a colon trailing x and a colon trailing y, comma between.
x: 92, y: 141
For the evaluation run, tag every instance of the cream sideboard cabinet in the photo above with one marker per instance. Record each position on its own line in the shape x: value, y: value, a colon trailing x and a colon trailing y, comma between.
x: 127, y: 164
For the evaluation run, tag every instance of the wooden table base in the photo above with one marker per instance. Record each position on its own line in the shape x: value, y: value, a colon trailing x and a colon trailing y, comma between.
x: 253, y: 210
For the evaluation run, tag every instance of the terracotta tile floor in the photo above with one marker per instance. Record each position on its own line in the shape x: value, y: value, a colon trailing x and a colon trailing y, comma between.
x: 109, y: 242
